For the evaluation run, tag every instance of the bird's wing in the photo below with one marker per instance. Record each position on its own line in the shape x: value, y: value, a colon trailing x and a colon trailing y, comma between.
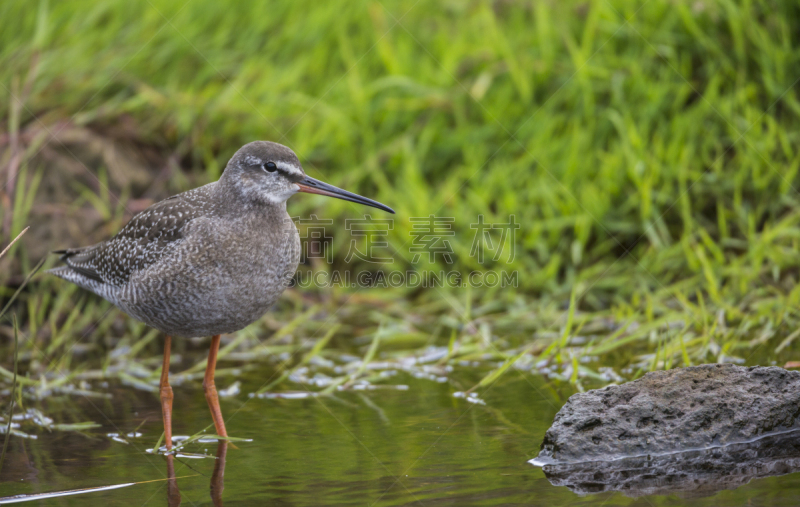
x: 80, y: 260
x: 143, y: 241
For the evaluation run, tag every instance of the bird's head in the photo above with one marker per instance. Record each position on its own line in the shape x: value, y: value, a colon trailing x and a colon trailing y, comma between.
x: 270, y: 173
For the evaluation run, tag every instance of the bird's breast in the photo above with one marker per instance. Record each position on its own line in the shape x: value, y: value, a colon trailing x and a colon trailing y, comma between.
x: 220, y: 279
x: 263, y: 267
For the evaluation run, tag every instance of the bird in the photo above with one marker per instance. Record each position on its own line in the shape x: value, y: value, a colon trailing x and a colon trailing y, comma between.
x: 206, y: 262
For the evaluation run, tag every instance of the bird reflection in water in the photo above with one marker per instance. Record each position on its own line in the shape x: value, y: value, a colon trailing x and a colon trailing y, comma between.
x: 173, y: 493
x: 217, y: 478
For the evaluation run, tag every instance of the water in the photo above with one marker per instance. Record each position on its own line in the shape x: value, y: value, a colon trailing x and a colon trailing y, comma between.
x: 420, y: 446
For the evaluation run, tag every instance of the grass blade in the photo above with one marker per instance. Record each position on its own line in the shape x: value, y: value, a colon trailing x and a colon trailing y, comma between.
x: 22, y: 286
x: 13, y: 241
x: 13, y: 389
x: 496, y: 374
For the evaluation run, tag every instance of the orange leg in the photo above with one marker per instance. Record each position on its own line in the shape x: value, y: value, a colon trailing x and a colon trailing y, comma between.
x: 211, y: 390
x: 166, y: 394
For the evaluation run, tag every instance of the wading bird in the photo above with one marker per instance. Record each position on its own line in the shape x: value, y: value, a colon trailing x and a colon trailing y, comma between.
x: 208, y: 261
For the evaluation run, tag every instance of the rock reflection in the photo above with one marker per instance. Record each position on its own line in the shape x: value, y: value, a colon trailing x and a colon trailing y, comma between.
x: 691, y: 473
x: 217, y: 478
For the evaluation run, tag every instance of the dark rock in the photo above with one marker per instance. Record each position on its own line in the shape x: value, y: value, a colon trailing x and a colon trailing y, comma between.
x: 675, y: 410
x: 690, y: 474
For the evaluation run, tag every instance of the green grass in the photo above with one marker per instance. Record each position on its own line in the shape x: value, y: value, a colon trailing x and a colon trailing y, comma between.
x: 649, y: 152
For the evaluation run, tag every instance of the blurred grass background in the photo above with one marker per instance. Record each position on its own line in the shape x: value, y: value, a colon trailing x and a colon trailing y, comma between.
x: 649, y: 151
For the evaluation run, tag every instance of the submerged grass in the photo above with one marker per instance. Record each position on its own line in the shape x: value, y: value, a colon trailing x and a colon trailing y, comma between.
x: 648, y: 152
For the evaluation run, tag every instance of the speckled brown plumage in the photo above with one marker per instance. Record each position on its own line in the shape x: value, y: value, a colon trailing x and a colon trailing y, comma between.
x: 205, y: 262
x: 142, y: 242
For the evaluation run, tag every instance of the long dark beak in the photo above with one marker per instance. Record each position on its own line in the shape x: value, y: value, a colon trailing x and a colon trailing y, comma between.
x: 312, y: 186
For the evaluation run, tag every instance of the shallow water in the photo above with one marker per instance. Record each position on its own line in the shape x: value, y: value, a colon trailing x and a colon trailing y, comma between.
x: 385, y: 447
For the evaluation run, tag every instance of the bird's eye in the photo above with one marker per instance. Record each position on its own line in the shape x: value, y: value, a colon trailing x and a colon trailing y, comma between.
x: 270, y: 167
